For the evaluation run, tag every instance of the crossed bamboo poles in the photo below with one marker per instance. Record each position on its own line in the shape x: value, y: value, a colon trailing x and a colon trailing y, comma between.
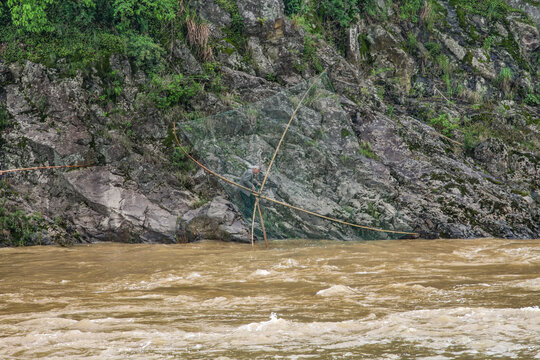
x: 257, y: 205
x: 257, y: 194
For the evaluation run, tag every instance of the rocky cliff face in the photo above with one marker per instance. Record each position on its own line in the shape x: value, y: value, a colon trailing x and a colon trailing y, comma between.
x: 401, y: 86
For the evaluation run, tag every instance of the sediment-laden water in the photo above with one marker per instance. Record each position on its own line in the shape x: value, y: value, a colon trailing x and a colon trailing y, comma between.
x: 412, y: 299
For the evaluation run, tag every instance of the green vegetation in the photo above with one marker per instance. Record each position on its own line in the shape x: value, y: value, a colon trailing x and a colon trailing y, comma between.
x: 412, y: 43
x: 531, y: 99
x: 433, y: 48
x: 19, y: 229
x: 235, y: 34
x: 390, y: 111
x: 365, y: 150
x: 445, y: 124
x: 427, y: 12
x: 202, y: 201
x: 444, y: 65
x: 491, y: 9
x: 309, y: 56
x: 82, y: 35
x: 488, y: 42
x: 506, y: 75
x: 410, y: 10
x: 229, y: 6
x: 5, y: 122
x: 4, y: 119
x: 480, y: 126
x: 174, y: 90
x: 86, y: 32
x: 271, y: 77
x: 180, y: 161
x: 330, y: 18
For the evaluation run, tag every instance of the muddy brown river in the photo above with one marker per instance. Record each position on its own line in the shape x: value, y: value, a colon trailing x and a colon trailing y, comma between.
x: 402, y: 299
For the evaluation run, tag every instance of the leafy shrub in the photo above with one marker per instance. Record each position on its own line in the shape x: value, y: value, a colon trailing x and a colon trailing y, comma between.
x: 410, y: 9
x: 505, y: 78
x: 4, y: 119
x: 445, y: 124
x: 46, y: 16
x: 532, y: 99
x: 145, y: 53
x: 176, y: 90
x: 139, y: 14
x: 229, y: 6
x: 412, y: 43
x: 491, y: 9
x: 19, y: 229
x: 213, y: 78
x: 181, y: 89
x: 31, y: 15
x: 433, y: 48
x: 330, y: 18
x: 180, y: 160
x: 292, y: 7
x: 340, y: 12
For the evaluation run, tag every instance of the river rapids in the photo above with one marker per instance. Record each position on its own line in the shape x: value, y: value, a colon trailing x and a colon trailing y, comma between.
x: 400, y: 299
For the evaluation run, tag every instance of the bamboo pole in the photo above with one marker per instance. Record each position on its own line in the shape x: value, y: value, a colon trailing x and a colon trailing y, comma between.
x: 253, y: 221
x: 281, y: 202
x: 285, y: 132
x: 262, y: 224
x: 276, y: 152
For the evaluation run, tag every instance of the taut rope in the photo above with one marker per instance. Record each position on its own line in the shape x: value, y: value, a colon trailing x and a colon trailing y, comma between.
x: 2, y: 172
x: 281, y: 202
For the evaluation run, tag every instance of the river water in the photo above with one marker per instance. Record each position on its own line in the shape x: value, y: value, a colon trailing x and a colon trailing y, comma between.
x: 402, y: 299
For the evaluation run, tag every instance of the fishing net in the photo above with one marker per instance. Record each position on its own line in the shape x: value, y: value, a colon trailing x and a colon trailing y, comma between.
x: 321, y: 166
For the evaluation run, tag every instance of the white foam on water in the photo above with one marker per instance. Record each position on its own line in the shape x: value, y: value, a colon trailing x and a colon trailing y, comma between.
x: 193, y: 275
x: 289, y: 264
x: 529, y: 284
x: 329, y: 307
x: 489, y: 331
x: 260, y: 272
x: 274, y: 324
x: 336, y: 290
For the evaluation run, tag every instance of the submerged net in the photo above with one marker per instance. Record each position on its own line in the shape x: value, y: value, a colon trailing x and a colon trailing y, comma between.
x: 320, y: 167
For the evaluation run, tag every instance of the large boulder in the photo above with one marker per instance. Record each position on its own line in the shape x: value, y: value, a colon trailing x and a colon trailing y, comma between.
x: 216, y: 220
x: 258, y: 15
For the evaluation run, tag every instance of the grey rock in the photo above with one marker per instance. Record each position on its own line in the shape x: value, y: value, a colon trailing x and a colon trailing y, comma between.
x: 262, y: 63
x: 527, y: 35
x: 533, y: 11
x: 189, y: 64
x: 454, y: 46
x: 353, y: 49
x: 389, y: 55
x: 389, y: 170
x: 216, y: 220
x: 212, y: 13
x: 494, y: 155
x: 258, y: 14
x: 481, y: 63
